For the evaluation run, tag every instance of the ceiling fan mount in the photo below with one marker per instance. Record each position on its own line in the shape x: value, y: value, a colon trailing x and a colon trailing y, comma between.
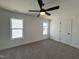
x: 43, y: 11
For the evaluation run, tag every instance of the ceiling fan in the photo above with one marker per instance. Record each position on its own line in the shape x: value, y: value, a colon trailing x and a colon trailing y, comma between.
x: 43, y: 11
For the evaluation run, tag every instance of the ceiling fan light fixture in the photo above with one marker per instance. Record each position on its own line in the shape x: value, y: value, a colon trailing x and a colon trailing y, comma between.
x: 42, y: 13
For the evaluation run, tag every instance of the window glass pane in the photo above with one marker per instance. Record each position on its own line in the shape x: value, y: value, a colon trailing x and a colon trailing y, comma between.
x: 45, y: 24
x: 16, y: 23
x: 17, y: 33
x: 45, y: 31
x: 45, y: 28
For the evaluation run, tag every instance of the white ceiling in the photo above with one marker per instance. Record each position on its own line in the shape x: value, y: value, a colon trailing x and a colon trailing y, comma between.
x: 24, y: 5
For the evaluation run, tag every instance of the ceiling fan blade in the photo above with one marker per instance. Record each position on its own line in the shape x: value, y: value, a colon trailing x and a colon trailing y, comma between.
x: 40, y: 2
x: 48, y: 13
x: 34, y: 10
x: 53, y: 8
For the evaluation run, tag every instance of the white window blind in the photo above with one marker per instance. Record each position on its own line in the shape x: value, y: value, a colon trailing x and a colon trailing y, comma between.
x: 45, y: 28
x: 16, y: 28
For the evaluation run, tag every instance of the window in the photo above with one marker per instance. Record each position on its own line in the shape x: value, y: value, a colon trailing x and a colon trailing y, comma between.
x: 45, y: 28
x: 16, y: 28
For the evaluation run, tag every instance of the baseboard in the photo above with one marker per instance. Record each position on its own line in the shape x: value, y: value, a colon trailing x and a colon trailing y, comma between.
x: 30, y: 42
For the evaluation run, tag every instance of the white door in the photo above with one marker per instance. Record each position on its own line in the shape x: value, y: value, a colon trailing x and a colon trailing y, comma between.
x: 66, y: 31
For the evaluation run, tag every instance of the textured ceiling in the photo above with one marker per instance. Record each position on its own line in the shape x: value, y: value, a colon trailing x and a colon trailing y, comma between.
x: 24, y: 5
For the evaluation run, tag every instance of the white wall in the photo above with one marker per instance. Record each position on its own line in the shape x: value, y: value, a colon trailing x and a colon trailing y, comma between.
x: 32, y: 29
x: 69, y: 10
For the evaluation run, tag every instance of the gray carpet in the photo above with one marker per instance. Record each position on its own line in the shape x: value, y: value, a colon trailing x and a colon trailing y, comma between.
x: 46, y: 49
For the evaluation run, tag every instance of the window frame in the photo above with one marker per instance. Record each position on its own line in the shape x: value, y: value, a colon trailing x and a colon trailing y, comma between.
x: 16, y: 29
x: 45, y: 27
